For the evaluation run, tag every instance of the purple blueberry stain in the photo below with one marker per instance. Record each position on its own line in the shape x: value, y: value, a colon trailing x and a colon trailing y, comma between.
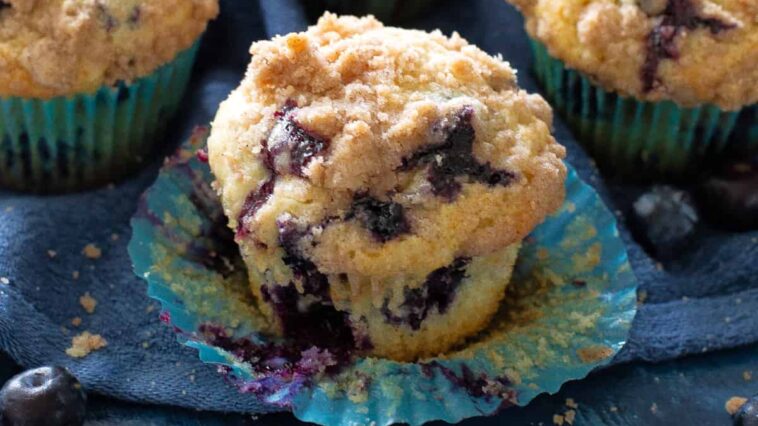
x: 134, y: 17
x: 678, y: 16
x: 107, y: 19
x: 454, y: 158
x: 292, y: 146
x: 385, y: 219
x: 435, y: 294
x: 477, y: 385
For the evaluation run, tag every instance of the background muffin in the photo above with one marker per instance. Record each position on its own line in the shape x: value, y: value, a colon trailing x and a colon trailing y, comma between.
x: 379, y: 181
x: 649, y: 85
x: 85, y: 85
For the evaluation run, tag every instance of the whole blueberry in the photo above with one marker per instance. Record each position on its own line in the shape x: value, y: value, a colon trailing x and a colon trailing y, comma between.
x: 729, y: 198
x: 748, y: 414
x: 666, y: 218
x: 45, y: 396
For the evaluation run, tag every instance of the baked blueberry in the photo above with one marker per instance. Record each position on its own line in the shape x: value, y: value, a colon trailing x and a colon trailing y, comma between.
x: 45, y: 396
x: 666, y: 219
x: 385, y: 219
x: 748, y: 413
x: 730, y: 197
x: 292, y: 146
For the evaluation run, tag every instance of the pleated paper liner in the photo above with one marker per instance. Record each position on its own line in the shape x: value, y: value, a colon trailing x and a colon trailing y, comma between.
x: 69, y: 143
x: 633, y: 138
x: 568, y: 310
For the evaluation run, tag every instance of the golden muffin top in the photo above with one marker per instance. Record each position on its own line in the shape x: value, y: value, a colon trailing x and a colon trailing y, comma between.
x: 381, y: 151
x: 690, y: 51
x: 54, y: 48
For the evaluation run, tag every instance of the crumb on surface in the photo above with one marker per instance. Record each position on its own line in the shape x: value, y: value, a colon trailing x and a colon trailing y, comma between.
x: 75, y: 275
x: 557, y: 419
x: 734, y: 404
x: 641, y: 297
x: 594, y: 353
x: 92, y: 251
x: 88, y: 302
x: 654, y: 408
x: 613, y: 409
x: 569, y: 416
x: 52, y: 253
x: 85, y: 343
x: 570, y: 403
x: 5, y: 280
x: 114, y: 237
x: 747, y: 375
x: 76, y: 321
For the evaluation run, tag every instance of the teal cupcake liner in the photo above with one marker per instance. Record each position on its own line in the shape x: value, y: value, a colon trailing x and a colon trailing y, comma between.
x: 385, y: 10
x: 68, y: 143
x: 569, y: 309
x: 635, y: 138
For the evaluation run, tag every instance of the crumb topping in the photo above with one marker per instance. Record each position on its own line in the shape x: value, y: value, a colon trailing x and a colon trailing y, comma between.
x: 85, y: 343
x: 61, y: 47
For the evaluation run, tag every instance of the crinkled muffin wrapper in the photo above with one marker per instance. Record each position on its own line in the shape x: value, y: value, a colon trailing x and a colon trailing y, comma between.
x: 643, y: 139
x: 69, y: 143
x: 569, y: 309
x: 387, y: 11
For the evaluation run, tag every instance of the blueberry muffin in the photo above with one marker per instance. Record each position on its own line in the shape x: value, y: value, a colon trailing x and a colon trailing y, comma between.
x: 648, y: 84
x: 85, y: 84
x: 380, y: 181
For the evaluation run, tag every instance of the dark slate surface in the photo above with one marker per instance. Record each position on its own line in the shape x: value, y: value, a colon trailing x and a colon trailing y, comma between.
x: 703, y: 299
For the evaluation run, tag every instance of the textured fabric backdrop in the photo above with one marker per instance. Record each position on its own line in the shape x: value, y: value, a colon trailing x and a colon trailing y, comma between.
x: 704, y: 300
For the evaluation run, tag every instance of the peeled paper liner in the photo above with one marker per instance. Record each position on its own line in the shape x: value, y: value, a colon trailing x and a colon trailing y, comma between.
x: 568, y: 310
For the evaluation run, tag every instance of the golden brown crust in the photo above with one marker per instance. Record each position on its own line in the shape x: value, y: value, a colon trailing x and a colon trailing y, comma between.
x: 62, y: 47
x: 608, y: 40
x: 375, y: 93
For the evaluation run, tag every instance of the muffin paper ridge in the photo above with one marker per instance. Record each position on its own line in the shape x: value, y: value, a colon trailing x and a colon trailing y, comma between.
x: 568, y: 310
x: 67, y: 143
x: 630, y: 136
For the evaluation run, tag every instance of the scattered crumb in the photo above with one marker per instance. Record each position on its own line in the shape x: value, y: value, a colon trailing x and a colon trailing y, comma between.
x: 557, y: 419
x: 613, y: 409
x: 734, y: 404
x: 75, y: 275
x: 150, y: 308
x: 4, y: 280
x: 84, y: 344
x: 641, y: 297
x: 52, y: 253
x: 654, y: 408
x: 88, y: 302
x: 92, y: 251
x: 594, y: 353
x: 747, y: 375
x: 76, y: 322
x: 570, y: 403
x: 114, y: 237
x: 570, y: 415
x: 659, y: 266
x: 145, y: 345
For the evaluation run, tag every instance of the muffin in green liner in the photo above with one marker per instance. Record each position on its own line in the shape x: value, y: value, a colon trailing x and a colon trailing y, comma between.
x: 85, y: 89
x: 651, y: 88
x: 384, y: 10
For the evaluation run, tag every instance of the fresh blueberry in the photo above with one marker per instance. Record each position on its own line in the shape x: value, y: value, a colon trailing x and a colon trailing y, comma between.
x: 666, y: 219
x: 385, y: 219
x: 748, y: 414
x: 730, y: 198
x: 45, y: 396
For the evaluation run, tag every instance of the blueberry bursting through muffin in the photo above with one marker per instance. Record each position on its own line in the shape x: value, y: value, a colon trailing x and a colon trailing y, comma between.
x: 306, y: 311
x: 679, y: 15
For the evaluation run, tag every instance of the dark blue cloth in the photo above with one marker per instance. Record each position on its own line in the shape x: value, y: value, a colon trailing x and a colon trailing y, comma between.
x: 705, y: 299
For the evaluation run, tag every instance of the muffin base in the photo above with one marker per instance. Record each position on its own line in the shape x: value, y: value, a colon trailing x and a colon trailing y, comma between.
x: 69, y: 143
x: 634, y: 138
x: 372, y: 319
